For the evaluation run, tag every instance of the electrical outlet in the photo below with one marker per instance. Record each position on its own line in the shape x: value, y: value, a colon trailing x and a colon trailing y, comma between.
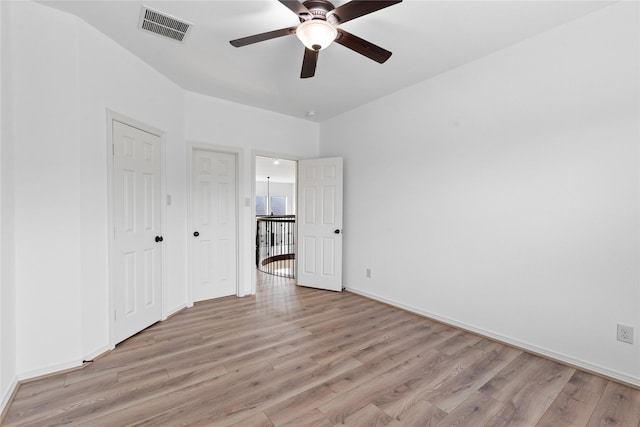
x: 625, y: 333
x: 368, y: 273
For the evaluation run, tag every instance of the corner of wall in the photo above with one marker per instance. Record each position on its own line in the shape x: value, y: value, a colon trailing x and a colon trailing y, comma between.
x: 8, y: 378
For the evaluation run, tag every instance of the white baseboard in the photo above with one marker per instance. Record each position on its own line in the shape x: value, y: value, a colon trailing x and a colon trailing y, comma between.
x: 175, y: 310
x: 550, y: 354
x: 54, y: 369
x: 99, y: 352
x: 8, y: 395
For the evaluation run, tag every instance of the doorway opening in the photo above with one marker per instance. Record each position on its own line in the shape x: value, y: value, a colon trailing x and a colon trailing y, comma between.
x: 275, y: 217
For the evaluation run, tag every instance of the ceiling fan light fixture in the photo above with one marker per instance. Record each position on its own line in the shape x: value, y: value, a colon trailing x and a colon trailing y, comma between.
x: 316, y: 34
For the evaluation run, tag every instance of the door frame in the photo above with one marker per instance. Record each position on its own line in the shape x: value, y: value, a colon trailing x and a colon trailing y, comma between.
x: 252, y: 237
x: 237, y: 153
x: 113, y: 116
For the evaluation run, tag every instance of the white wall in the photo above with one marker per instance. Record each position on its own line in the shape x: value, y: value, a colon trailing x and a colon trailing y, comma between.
x: 111, y: 78
x: 63, y: 84
x: 47, y: 189
x: 503, y: 196
x: 7, y: 278
x: 249, y: 130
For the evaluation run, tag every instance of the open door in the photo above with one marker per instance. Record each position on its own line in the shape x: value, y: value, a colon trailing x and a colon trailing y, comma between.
x: 320, y: 223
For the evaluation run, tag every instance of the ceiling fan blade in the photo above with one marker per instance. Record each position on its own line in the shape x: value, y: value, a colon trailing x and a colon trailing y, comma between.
x: 357, y: 8
x: 262, y: 37
x: 362, y: 46
x: 298, y: 8
x: 309, y: 62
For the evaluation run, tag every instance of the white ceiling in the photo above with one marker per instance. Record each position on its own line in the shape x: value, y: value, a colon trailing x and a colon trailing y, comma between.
x: 284, y: 171
x: 426, y: 38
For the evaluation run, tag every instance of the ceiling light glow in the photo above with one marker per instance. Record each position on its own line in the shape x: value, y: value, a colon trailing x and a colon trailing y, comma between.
x: 316, y: 34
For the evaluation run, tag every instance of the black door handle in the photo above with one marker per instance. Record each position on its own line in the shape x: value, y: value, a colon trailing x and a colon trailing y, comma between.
x: 337, y: 231
x: 196, y: 234
x: 159, y: 239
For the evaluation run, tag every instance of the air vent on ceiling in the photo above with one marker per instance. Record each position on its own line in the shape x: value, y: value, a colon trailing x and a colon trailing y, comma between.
x: 162, y: 24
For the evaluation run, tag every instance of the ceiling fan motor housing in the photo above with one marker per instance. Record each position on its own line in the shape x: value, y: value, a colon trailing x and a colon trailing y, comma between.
x: 319, y: 10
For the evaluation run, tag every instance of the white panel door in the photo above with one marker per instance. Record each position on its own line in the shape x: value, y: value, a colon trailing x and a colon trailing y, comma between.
x: 137, y: 245
x: 320, y: 223
x: 213, y: 218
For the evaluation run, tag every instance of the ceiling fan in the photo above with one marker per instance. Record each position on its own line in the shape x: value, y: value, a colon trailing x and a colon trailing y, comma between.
x: 319, y: 20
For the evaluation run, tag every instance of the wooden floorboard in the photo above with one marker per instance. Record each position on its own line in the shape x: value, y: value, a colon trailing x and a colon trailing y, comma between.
x: 293, y: 356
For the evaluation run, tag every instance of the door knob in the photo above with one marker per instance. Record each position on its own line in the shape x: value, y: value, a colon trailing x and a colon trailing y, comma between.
x: 337, y: 231
x: 159, y: 239
x: 196, y: 234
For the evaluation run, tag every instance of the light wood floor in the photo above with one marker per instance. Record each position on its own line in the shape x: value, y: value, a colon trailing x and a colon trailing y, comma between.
x: 302, y: 357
